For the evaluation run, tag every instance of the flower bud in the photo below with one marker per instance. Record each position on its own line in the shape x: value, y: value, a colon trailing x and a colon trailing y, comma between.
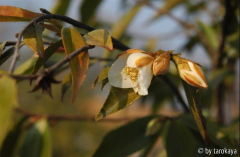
x: 161, y: 63
x: 190, y: 72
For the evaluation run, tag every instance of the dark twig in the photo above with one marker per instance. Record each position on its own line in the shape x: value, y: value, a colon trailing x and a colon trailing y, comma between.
x: 67, y: 58
x: 52, y: 69
x: 117, y: 44
x: 49, y: 71
x: 11, y: 43
x: 175, y: 91
x: 230, y: 7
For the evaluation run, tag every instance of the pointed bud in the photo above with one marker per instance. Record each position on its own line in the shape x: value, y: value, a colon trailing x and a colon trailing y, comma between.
x: 190, y: 72
x: 161, y: 63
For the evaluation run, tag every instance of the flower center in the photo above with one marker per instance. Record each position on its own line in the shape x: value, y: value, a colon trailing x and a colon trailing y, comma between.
x: 131, y: 72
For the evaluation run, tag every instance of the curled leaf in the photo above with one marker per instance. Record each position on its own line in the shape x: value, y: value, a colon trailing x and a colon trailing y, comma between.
x: 32, y: 37
x: 72, y: 40
x: 103, y: 77
x: 10, y: 14
x: 117, y: 99
x: 100, y: 38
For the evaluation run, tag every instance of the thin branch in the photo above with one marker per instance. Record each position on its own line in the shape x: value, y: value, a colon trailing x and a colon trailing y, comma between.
x: 72, y: 117
x: 175, y: 91
x: 11, y: 43
x: 230, y: 7
x: 117, y: 44
x: 186, y: 25
x: 67, y: 58
x: 102, y: 59
x: 54, y: 67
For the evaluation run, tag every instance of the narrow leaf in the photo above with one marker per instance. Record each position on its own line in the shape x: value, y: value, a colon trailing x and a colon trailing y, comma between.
x: 178, y: 139
x: 2, y: 47
x: 100, y: 38
x: 61, y: 7
x: 33, y: 39
x: 86, y: 15
x: 8, y: 100
x: 10, y: 14
x: 218, y: 137
x: 7, y: 54
x: 66, y: 84
x: 102, y: 76
x: 168, y: 5
x: 193, y: 96
x: 72, y: 40
x: 118, y: 98
x: 38, y: 141
x: 125, y: 140
x: 26, y: 67
x: 48, y: 53
x: 119, y: 28
x: 210, y: 35
x: 11, y: 139
x: 153, y: 126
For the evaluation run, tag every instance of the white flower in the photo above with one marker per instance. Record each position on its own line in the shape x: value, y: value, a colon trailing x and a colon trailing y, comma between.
x: 132, y: 69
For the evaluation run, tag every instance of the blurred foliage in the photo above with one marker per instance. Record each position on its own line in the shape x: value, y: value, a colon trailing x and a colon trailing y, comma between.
x: 165, y: 129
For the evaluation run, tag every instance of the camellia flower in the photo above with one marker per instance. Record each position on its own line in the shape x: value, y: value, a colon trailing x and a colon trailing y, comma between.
x: 190, y: 72
x: 132, y: 69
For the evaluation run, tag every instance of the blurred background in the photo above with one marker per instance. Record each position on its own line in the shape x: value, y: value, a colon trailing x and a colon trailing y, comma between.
x: 192, y: 28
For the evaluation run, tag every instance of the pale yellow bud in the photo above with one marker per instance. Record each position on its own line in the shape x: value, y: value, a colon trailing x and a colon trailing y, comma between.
x: 161, y: 64
x: 190, y: 72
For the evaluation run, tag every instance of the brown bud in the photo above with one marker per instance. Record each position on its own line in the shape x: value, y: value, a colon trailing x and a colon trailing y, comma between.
x: 161, y: 64
x: 190, y: 72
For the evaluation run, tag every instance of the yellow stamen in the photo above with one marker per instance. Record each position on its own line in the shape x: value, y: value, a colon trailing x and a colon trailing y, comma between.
x: 131, y: 72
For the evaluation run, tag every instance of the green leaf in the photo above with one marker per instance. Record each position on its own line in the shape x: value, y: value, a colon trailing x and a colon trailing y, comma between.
x: 88, y: 16
x: 180, y: 142
x: 72, y: 40
x: 7, y: 54
x: 2, y: 47
x: 100, y: 38
x: 153, y: 126
x: 102, y: 77
x: 121, y: 25
x: 218, y: 137
x: 8, y: 100
x: 210, y: 35
x: 11, y: 139
x: 61, y: 7
x: 26, y: 67
x: 66, y: 84
x: 48, y: 53
x: 118, y: 98
x: 125, y: 140
x: 118, y: 29
x: 32, y: 37
x: 193, y: 96
x: 38, y: 141
x: 11, y: 14
x: 217, y: 76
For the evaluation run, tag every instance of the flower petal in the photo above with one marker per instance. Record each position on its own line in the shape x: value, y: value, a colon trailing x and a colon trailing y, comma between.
x: 144, y: 79
x: 139, y: 60
x: 115, y: 75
